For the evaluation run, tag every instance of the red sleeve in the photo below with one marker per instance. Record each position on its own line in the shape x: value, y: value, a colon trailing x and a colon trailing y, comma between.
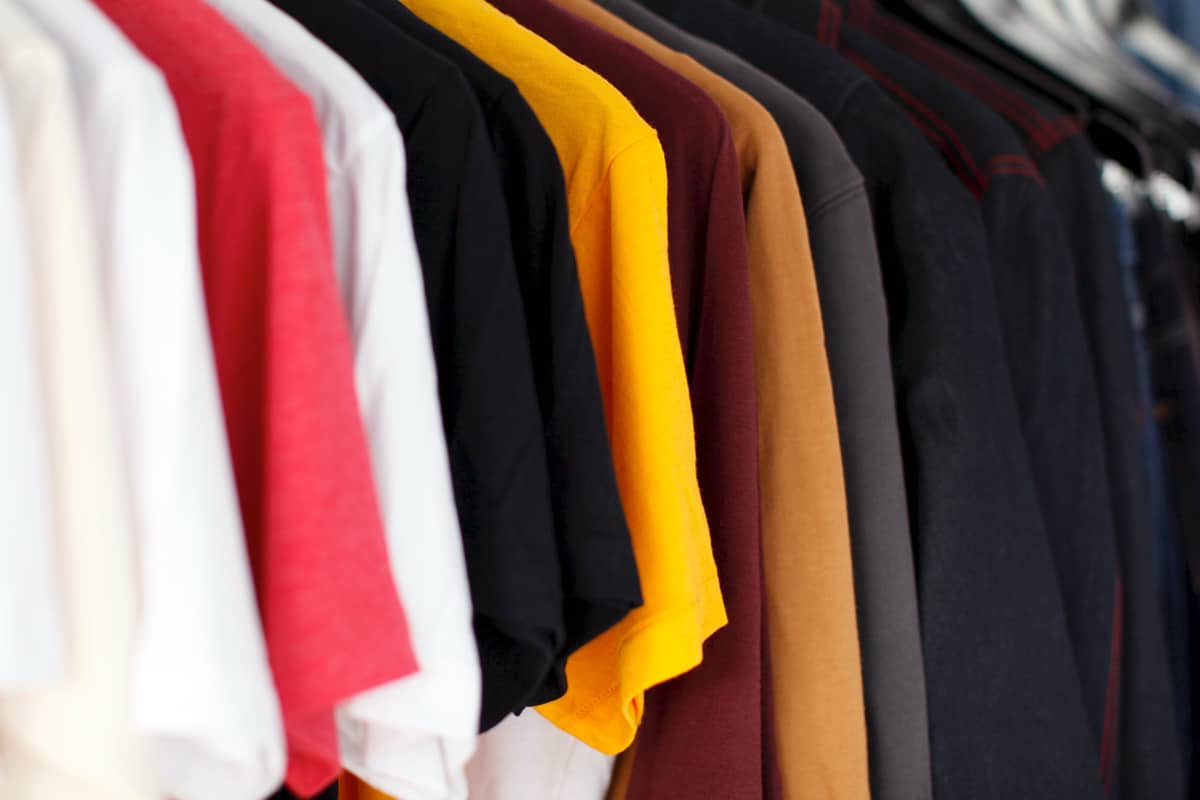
x: 330, y: 610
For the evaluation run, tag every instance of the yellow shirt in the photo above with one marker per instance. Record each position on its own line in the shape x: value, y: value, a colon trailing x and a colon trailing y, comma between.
x: 617, y: 197
x: 351, y: 787
x: 820, y: 721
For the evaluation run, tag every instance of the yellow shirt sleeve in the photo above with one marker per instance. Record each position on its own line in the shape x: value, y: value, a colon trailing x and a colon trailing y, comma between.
x: 617, y: 196
x: 621, y: 249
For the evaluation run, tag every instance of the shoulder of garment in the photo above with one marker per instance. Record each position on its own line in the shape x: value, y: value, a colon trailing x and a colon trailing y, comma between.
x: 99, y: 754
x: 32, y: 635
x: 593, y: 121
x: 264, y: 236
x: 194, y: 569
x: 383, y: 294
x: 616, y: 182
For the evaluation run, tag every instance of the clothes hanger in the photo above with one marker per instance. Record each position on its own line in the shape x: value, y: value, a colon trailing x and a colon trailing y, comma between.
x: 954, y: 27
x: 957, y: 30
x: 1130, y: 21
x: 1007, y: 25
x: 1170, y: 171
x: 1002, y: 33
x: 1176, y: 146
x: 1120, y: 143
x: 1177, y: 202
x: 1086, y: 56
x: 1170, y: 151
x: 1073, y: 24
x: 1030, y: 28
x: 1122, y: 184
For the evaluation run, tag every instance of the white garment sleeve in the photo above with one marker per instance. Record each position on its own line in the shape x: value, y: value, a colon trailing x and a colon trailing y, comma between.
x: 410, y: 738
x: 203, y: 697
x: 31, y: 627
x: 73, y: 740
x: 204, y: 693
x: 527, y: 756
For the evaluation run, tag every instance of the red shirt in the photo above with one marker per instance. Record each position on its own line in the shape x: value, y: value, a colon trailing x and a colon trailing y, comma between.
x: 332, y: 617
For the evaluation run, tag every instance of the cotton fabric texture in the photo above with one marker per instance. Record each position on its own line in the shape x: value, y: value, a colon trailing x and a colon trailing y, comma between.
x: 1146, y: 761
x: 485, y: 376
x: 780, y: 275
x: 203, y: 691
x: 959, y: 428
x: 855, y: 327
x: 616, y: 193
x: 100, y: 754
x: 1039, y: 309
x: 711, y: 287
x: 596, y: 562
x: 333, y: 621
x: 413, y: 736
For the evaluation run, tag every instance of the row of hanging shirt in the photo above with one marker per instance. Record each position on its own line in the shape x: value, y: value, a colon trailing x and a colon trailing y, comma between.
x: 181, y: 219
x: 381, y: 371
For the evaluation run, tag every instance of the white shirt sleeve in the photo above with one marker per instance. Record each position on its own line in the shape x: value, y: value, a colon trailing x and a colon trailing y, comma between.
x: 203, y: 694
x: 74, y: 738
x: 527, y: 756
x: 31, y: 627
x: 412, y: 737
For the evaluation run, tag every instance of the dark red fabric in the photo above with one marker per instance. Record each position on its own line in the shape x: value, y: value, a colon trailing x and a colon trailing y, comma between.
x: 702, y: 735
x: 333, y: 622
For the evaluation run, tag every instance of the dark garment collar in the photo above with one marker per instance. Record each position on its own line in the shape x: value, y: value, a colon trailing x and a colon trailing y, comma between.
x: 975, y: 142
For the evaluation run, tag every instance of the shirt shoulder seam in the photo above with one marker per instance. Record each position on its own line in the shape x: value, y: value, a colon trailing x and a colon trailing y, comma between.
x: 376, y: 127
x: 837, y: 199
x: 850, y: 93
x: 649, y: 137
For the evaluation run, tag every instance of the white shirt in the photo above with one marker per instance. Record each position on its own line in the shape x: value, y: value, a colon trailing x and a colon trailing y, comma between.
x: 410, y: 738
x: 31, y: 627
x: 73, y: 739
x: 527, y: 757
x: 203, y: 694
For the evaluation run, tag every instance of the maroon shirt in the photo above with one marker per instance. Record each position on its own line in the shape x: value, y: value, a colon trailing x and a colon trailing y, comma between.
x: 702, y: 734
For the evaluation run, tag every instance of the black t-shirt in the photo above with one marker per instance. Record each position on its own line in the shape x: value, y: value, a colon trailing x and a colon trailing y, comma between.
x: 1047, y: 347
x: 599, y: 573
x: 1150, y: 760
x: 1166, y: 274
x: 1150, y: 755
x: 1147, y: 763
x: 1005, y: 711
x: 494, y: 429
